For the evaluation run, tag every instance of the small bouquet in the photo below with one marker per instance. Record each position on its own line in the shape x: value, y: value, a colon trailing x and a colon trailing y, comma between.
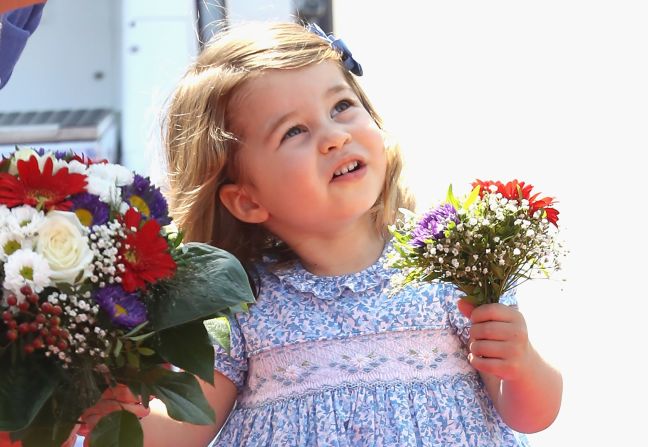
x: 486, y: 244
x: 97, y: 289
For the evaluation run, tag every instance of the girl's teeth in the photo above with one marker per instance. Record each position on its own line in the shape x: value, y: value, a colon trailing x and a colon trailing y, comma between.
x: 346, y: 169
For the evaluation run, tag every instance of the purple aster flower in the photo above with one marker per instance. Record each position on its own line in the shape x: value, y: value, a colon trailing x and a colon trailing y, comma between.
x: 433, y: 224
x: 148, y: 199
x: 62, y: 155
x: 124, y: 309
x: 89, y: 209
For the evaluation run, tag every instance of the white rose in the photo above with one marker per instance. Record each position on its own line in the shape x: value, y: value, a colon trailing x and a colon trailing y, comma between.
x: 63, y: 243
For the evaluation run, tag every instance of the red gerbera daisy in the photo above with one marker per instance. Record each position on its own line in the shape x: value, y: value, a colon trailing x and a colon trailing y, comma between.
x: 144, y: 252
x: 515, y: 190
x: 43, y: 190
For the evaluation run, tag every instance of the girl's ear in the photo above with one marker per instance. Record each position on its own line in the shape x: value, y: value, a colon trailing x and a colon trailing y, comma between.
x: 241, y: 204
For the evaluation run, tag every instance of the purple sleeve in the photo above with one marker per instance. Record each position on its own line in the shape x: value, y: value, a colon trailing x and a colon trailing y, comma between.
x: 232, y: 364
x: 15, y: 28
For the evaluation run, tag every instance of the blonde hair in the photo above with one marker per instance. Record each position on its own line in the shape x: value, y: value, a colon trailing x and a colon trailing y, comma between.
x: 201, y: 150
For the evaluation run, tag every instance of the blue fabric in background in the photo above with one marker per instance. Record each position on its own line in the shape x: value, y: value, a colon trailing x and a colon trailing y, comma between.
x: 15, y: 28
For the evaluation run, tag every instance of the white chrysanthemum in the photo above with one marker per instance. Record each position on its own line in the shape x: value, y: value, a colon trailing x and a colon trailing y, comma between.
x: 123, y: 208
x: 76, y: 167
x: 25, y: 267
x: 12, y: 241
x: 117, y: 174
x: 105, y: 180
x: 5, y: 214
x: 27, y: 219
x: 106, y: 190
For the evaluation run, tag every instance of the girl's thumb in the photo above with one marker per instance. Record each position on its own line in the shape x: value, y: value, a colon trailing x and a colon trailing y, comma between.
x: 465, y: 307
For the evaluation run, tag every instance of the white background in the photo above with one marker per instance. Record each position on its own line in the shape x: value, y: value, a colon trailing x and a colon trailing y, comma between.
x: 554, y: 93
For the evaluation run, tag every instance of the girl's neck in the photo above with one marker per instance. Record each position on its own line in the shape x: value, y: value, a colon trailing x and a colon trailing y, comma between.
x: 346, y: 252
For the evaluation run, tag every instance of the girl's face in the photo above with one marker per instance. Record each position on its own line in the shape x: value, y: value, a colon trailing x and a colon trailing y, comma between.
x: 311, y: 155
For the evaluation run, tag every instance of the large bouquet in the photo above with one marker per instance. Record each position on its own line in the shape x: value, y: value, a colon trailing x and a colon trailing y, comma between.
x: 98, y: 290
x: 487, y: 243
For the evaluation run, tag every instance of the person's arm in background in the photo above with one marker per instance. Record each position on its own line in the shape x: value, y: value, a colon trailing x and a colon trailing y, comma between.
x: 18, y: 20
x: 10, y: 5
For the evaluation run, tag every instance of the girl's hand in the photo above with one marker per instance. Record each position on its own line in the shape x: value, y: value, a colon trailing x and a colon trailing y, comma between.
x: 499, y: 343
x: 113, y: 399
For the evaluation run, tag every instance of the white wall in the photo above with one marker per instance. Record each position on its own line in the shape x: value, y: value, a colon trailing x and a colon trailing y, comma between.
x: 554, y: 93
x: 159, y: 40
x: 75, y: 40
x: 238, y: 10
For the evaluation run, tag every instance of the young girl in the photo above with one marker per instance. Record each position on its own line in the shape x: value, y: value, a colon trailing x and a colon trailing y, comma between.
x: 276, y: 155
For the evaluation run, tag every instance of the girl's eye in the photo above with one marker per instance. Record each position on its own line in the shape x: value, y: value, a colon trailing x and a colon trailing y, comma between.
x: 341, y: 106
x: 292, y: 132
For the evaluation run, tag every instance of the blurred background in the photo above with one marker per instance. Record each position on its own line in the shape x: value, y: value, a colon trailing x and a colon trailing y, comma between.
x: 554, y: 93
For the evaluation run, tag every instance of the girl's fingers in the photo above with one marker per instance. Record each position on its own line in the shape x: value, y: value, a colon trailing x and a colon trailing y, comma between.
x: 92, y: 415
x: 495, y: 312
x: 504, y: 369
x: 120, y: 393
x: 495, y: 330
x: 490, y: 349
x: 465, y: 307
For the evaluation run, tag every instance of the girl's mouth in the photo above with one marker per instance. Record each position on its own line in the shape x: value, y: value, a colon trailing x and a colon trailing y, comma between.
x: 350, y: 167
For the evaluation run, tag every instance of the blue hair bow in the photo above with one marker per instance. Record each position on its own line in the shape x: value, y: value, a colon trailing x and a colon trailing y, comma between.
x: 347, y: 58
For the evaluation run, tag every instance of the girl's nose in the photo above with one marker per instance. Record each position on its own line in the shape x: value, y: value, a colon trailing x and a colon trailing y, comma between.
x: 334, y: 136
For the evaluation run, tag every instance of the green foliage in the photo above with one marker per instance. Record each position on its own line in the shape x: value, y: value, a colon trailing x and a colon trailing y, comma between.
x: 218, y: 330
x: 214, y: 283
x: 188, y: 347
x: 25, y: 386
x: 181, y: 394
x: 117, y: 429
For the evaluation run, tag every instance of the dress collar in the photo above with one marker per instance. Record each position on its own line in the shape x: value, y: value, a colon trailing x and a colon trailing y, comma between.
x: 294, y: 275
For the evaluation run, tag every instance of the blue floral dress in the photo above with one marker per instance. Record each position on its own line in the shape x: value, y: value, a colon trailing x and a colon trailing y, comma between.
x: 341, y: 361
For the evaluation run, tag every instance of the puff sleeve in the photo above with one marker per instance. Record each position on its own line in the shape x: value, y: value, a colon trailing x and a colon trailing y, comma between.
x: 232, y: 364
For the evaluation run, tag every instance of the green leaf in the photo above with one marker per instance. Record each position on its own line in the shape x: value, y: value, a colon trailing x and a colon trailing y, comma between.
x: 136, y: 329
x: 133, y: 359
x: 24, y: 389
x: 213, y: 282
x: 118, y: 347
x: 145, y: 351
x: 451, y: 199
x: 183, y: 397
x: 472, y: 197
x: 219, y: 331
x: 117, y: 429
x: 45, y: 432
x: 198, y: 359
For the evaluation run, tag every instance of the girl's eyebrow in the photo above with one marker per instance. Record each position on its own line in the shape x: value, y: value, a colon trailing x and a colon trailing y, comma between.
x: 274, y: 124
x: 336, y: 89
x: 272, y: 127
